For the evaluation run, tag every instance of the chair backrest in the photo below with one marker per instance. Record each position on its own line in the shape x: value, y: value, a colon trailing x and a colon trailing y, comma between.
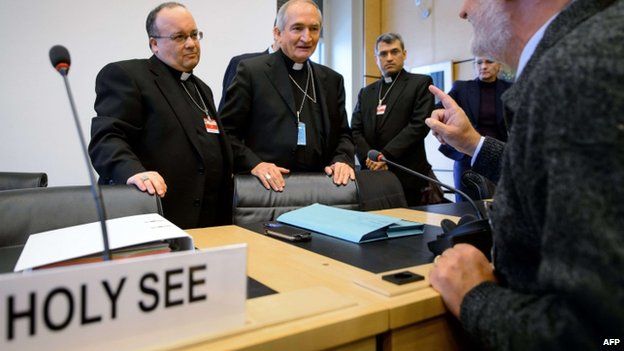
x: 21, y: 180
x: 477, y: 186
x: 371, y: 191
x: 28, y: 211
x: 378, y: 190
x: 253, y: 203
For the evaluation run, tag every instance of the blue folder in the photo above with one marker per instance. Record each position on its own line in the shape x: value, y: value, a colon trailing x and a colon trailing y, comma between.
x: 354, y: 226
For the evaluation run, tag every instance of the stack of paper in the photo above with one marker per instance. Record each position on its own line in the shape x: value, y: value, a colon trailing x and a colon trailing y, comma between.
x: 83, y: 240
x: 354, y: 226
x: 153, y: 248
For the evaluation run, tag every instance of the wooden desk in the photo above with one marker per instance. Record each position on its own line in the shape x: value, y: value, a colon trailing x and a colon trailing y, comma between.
x: 291, y: 270
x: 418, y: 320
x: 306, y: 281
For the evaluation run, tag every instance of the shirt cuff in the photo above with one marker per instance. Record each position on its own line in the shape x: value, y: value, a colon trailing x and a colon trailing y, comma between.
x: 477, y: 150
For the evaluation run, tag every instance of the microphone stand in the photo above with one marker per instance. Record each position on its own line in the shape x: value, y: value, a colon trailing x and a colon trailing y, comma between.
x: 96, y: 191
x: 477, y: 233
x: 422, y: 176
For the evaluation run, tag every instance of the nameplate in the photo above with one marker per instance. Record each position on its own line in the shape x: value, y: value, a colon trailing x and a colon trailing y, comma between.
x: 147, y: 302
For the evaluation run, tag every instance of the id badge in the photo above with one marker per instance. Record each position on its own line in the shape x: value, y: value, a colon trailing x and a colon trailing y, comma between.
x: 211, y: 125
x: 301, y: 134
x: 381, y: 109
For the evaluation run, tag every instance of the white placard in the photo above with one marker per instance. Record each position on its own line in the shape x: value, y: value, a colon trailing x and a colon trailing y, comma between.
x: 145, y: 302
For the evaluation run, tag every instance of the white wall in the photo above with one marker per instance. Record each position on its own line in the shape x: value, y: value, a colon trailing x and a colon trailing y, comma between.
x: 343, y: 35
x: 36, y: 128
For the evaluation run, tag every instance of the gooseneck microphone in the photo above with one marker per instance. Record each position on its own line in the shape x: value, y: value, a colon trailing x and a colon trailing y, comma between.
x: 470, y: 230
x: 59, y: 57
x: 379, y: 157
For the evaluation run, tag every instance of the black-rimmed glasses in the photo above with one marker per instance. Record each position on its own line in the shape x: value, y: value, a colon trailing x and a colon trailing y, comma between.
x: 181, y: 38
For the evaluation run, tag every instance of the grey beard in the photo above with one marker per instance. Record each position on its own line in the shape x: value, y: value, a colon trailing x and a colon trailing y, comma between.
x: 492, y: 31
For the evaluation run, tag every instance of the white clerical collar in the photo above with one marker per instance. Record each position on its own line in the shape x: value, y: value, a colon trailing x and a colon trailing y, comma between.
x: 297, y: 66
x: 531, y: 45
x: 185, y: 75
x: 387, y: 79
x: 270, y: 49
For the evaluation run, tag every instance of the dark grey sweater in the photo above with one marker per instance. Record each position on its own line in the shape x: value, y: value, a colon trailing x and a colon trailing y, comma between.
x: 558, y: 218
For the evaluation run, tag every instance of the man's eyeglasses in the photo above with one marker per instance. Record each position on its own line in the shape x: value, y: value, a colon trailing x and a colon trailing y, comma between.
x: 182, y: 38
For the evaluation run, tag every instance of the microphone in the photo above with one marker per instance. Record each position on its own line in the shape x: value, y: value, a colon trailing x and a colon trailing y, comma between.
x: 59, y: 57
x: 470, y: 229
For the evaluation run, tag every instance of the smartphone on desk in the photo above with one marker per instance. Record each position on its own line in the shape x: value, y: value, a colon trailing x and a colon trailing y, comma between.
x: 286, y: 232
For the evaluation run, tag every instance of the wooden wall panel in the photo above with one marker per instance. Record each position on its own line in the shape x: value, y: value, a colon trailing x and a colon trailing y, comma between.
x: 442, y: 36
x: 372, y: 29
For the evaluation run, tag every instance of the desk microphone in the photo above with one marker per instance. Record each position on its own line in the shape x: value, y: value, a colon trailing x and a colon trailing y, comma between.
x: 59, y: 57
x: 470, y: 229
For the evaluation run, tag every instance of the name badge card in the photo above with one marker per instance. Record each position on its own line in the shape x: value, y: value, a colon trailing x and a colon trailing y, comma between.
x: 141, y: 303
x: 211, y: 125
x: 381, y: 109
x: 301, y: 134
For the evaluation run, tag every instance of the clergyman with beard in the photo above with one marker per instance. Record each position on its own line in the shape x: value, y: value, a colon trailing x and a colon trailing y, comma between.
x: 390, y: 117
x: 555, y: 281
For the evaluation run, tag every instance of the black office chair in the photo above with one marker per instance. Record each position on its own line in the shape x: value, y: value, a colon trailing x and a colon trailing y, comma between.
x: 253, y: 203
x: 378, y: 190
x: 22, y: 180
x: 28, y: 211
x: 371, y: 191
x: 477, y: 186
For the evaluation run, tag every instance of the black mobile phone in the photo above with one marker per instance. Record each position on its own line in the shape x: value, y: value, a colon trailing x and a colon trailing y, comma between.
x: 403, y: 277
x: 286, y: 232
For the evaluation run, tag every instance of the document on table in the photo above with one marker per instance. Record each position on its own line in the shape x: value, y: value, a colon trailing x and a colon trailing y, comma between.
x: 86, y: 239
x: 354, y: 226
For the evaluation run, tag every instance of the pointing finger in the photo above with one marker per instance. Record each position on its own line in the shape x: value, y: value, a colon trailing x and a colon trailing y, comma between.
x: 446, y: 100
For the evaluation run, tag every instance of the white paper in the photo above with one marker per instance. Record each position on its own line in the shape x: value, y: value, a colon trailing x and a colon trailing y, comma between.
x: 86, y: 239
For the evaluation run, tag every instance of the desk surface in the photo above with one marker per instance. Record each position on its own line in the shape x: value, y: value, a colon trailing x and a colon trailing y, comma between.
x: 288, y: 268
x: 373, y: 256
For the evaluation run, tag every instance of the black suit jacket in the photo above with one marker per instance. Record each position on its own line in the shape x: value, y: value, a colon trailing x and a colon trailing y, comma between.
x: 260, y: 116
x: 144, y: 123
x: 400, y: 135
x: 230, y: 71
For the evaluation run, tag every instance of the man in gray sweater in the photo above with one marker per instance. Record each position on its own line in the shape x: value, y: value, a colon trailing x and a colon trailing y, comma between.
x: 557, y: 278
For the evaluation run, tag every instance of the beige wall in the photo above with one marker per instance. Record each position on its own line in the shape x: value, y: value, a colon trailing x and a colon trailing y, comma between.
x: 443, y: 36
x: 372, y: 29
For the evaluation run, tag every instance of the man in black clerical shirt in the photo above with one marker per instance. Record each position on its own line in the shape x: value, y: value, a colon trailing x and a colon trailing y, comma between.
x: 390, y: 117
x: 481, y: 100
x: 285, y: 113
x: 157, y: 127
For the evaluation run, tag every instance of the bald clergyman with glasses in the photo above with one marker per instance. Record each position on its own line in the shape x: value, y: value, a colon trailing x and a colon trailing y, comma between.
x: 157, y: 127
